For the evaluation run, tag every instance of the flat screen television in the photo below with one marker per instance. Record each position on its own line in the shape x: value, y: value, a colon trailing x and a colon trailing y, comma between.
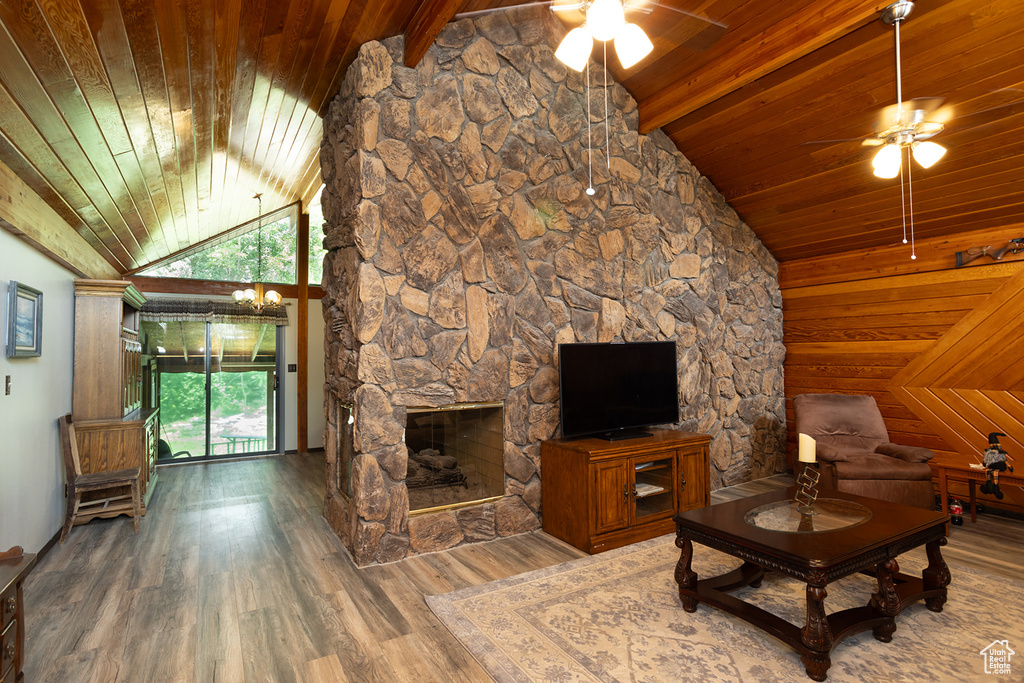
x: 613, y: 390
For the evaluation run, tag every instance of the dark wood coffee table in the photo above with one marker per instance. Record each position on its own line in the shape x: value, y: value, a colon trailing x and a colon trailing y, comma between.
x: 849, y: 544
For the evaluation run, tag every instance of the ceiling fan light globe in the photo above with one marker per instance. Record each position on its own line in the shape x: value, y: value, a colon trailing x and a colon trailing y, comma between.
x: 887, y: 161
x: 632, y: 45
x: 237, y: 295
x: 605, y: 18
x: 574, y: 50
x: 927, y: 153
x: 272, y: 297
x: 249, y: 296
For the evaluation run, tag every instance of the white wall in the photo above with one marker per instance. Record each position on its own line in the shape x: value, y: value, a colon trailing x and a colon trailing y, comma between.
x: 317, y: 376
x: 315, y: 379
x: 31, y: 465
x: 291, y: 391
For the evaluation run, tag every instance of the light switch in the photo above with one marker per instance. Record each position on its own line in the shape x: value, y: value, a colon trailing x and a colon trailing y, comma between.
x: 293, y: 367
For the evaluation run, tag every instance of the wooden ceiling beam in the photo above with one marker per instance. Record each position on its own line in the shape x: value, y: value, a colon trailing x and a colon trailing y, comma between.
x: 744, y: 59
x: 25, y: 214
x: 430, y: 17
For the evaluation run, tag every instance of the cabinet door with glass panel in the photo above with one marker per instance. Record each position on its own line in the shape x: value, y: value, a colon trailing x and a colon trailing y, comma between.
x: 654, y: 486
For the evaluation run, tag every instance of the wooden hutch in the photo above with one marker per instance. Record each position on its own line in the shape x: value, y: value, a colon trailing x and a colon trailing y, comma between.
x: 114, y: 430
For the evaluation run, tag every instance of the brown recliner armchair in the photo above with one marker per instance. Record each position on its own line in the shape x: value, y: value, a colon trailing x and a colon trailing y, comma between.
x: 855, y: 454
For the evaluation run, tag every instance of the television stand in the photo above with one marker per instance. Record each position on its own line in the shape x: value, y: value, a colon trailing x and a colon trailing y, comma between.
x: 620, y: 434
x: 598, y: 494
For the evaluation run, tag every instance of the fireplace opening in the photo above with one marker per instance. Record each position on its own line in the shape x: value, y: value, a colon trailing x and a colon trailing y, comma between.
x: 455, y: 454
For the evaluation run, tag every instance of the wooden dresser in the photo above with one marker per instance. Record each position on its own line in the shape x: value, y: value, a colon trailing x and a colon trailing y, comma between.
x: 14, y: 567
x: 114, y: 430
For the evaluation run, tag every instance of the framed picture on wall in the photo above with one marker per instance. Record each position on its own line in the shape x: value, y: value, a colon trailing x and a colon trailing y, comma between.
x: 24, y: 321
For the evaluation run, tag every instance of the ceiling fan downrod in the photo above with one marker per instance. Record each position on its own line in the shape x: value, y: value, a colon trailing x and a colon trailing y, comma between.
x: 894, y: 15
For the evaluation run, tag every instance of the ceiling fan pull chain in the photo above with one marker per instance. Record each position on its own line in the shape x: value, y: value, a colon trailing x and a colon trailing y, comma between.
x: 590, y: 138
x: 607, y: 135
x: 910, y: 197
x: 903, y: 200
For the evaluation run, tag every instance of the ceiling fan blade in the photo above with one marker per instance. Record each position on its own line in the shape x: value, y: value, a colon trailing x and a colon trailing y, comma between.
x: 1006, y: 109
x: 565, y: 5
x: 647, y: 6
x: 698, y: 39
x: 556, y: 6
x: 918, y: 109
x: 574, y: 12
x: 864, y: 141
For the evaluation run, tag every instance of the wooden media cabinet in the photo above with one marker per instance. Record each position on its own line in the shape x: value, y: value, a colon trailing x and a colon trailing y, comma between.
x: 598, y: 494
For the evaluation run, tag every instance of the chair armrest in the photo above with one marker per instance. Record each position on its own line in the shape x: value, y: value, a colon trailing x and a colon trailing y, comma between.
x: 827, y: 453
x: 907, y: 453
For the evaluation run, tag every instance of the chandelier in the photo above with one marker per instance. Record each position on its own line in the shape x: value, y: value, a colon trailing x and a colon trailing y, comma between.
x: 605, y: 20
x: 254, y: 297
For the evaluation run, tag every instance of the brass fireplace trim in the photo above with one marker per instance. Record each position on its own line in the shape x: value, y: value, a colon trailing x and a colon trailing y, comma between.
x: 454, y: 406
x: 448, y: 408
x: 453, y: 506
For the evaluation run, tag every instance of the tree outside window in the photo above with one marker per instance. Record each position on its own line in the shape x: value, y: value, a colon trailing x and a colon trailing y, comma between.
x: 236, y: 259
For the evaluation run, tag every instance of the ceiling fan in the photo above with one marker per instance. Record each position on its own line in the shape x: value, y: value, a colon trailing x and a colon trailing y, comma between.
x: 603, y: 21
x: 606, y: 20
x: 906, y: 126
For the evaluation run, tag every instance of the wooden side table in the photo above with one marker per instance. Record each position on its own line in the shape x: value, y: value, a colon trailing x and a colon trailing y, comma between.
x: 972, y: 476
x: 14, y: 567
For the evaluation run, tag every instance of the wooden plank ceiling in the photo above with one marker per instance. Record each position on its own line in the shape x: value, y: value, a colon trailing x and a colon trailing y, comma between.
x: 148, y: 125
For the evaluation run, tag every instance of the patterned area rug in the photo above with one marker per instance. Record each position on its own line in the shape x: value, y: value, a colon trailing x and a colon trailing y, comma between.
x: 616, y: 617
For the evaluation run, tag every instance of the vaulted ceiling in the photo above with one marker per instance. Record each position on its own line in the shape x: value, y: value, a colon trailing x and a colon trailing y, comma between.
x: 148, y: 125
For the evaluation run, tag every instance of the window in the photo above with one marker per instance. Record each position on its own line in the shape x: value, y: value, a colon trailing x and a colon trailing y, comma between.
x: 234, y: 256
x: 316, y: 242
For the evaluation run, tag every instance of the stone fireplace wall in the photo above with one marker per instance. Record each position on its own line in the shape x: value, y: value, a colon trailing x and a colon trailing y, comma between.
x: 463, y: 249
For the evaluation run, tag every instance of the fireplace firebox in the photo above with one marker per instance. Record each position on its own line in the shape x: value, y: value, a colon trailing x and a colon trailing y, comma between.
x: 455, y: 455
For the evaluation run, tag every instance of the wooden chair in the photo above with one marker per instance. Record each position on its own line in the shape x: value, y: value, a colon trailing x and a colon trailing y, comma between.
x: 78, y: 483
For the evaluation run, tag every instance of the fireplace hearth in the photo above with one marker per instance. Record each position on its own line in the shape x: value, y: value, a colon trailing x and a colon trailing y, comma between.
x: 455, y: 455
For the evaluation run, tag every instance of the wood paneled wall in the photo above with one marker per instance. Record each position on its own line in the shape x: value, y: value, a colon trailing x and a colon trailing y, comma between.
x: 937, y: 346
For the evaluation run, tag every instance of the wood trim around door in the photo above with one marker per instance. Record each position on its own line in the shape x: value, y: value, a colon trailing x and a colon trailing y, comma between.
x: 302, y: 416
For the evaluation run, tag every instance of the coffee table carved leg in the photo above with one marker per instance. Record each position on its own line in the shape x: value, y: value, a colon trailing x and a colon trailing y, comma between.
x: 886, y: 601
x: 685, y: 576
x: 936, y: 575
x: 816, y: 635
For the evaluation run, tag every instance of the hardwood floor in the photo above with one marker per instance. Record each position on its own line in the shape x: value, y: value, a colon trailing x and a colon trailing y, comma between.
x: 234, y: 576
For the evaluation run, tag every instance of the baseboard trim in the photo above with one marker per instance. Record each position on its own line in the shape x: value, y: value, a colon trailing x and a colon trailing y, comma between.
x: 47, y: 547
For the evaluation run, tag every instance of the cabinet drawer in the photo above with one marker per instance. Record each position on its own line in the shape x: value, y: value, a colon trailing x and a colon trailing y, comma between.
x: 8, y: 647
x: 8, y: 606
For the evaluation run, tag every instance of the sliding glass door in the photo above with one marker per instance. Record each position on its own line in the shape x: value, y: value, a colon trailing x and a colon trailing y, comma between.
x: 216, y: 387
